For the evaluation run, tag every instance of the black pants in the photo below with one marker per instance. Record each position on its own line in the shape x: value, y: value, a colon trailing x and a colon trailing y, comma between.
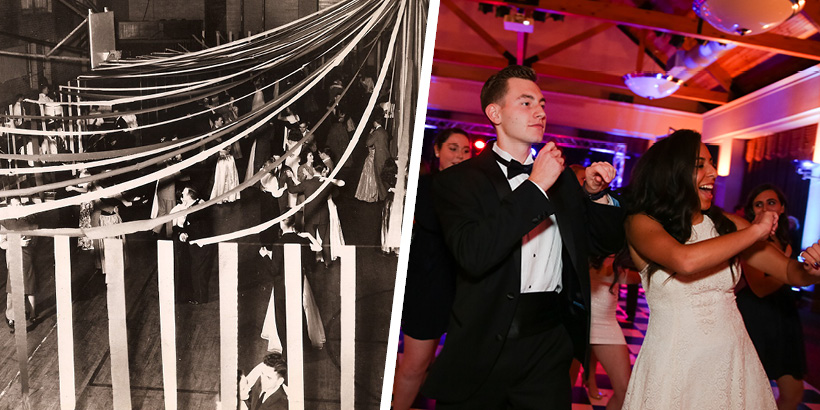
x: 531, y: 373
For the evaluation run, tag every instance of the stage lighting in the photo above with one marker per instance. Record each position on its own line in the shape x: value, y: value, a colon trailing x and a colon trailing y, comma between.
x: 479, y: 144
x: 485, y: 8
x: 539, y: 16
x: 805, y: 169
x: 502, y: 11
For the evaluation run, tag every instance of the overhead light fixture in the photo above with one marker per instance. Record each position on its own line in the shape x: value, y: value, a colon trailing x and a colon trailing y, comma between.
x: 519, y: 23
x: 742, y: 17
x: 652, y: 85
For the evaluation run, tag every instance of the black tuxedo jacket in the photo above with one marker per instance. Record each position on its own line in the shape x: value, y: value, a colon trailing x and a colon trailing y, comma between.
x: 483, y: 222
x: 316, y: 211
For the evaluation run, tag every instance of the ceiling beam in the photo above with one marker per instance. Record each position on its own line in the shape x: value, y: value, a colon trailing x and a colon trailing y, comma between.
x: 720, y: 75
x: 669, y: 23
x: 811, y: 11
x: 489, y: 38
x: 641, y: 50
x: 652, y: 51
x: 548, y: 52
x: 454, y: 63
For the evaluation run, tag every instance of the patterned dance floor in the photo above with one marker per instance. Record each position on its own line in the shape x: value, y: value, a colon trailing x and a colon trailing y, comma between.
x: 634, y: 333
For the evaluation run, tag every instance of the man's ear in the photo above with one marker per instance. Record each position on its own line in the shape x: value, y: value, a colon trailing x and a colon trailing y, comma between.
x: 493, y: 113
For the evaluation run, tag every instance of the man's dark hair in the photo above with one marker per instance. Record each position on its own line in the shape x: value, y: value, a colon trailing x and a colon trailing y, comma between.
x: 277, y: 362
x: 496, y: 86
x: 192, y: 192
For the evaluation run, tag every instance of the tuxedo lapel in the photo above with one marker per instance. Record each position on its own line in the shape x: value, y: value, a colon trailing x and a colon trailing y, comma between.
x: 486, y: 162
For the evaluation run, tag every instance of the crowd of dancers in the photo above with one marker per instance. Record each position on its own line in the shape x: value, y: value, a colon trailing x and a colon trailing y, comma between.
x: 518, y: 259
x: 306, y: 150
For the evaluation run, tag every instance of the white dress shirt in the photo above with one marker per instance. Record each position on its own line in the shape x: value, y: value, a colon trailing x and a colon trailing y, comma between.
x: 541, y: 248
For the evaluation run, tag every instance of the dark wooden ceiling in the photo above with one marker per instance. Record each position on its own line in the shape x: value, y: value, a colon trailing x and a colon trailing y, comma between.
x: 592, y: 44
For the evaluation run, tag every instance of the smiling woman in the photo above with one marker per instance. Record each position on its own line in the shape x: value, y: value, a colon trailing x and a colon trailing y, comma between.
x: 685, y: 248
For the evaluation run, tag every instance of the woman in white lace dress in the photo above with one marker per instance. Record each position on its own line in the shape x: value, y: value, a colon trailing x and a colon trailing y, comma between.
x: 697, y: 354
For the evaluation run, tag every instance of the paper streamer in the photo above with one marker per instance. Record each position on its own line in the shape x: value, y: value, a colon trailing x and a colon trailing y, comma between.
x: 114, y: 269
x: 347, y: 290
x: 133, y: 71
x: 167, y: 321
x: 228, y: 323
x: 293, y: 314
x: 65, y: 322
x: 14, y: 253
x: 353, y: 142
x: 122, y: 229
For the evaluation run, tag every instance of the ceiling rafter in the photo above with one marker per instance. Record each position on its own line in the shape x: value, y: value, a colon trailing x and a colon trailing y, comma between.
x: 641, y: 50
x: 811, y: 11
x: 550, y: 51
x: 670, y: 23
x: 495, y: 44
x: 651, y: 50
x: 720, y: 75
x: 451, y: 64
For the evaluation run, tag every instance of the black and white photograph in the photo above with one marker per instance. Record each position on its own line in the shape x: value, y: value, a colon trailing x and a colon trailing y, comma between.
x: 202, y: 201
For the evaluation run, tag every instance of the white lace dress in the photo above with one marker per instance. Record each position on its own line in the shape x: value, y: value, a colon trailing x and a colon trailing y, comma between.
x: 697, y: 354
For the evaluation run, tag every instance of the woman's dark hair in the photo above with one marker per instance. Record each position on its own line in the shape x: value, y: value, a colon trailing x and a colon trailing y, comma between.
x: 442, y: 138
x: 782, y: 232
x: 303, y: 156
x: 663, y: 188
x: 446, y: 133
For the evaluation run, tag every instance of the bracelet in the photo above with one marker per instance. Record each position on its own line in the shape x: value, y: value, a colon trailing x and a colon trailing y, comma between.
x: 599, y: 195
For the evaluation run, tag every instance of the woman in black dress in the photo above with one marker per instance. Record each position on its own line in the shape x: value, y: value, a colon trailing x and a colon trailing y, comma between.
x: 769, y: 307
x: 430, y: 285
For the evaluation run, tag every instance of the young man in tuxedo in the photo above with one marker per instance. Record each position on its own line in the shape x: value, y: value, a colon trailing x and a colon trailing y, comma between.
x: 521, y: 229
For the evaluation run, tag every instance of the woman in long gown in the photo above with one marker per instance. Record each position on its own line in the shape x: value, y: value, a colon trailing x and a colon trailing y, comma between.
x: 371, y: 188
x: 696, y: 353
x: 226, y: 176
x: 769, y: 307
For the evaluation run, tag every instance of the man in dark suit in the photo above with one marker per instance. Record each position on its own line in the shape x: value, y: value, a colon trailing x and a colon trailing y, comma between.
x: 193, y: 262
x: 317, y: 214
x: 521, y: 308
x: 313, y: 320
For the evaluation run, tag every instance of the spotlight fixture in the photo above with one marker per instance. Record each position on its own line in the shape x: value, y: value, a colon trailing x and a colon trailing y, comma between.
x: 502, y: 11
x: 539, y: 16
x: 805, y: 168
x: 485, y: 8
x: 519, y: 23
x: 652, y: 85
x: 741, y: 17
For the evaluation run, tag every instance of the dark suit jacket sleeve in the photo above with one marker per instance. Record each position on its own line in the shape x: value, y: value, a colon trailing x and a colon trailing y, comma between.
x: 605, y: 229
x: 480, y: 231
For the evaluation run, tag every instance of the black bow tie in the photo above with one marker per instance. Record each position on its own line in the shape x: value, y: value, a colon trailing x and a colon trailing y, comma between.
x: 514, y: 167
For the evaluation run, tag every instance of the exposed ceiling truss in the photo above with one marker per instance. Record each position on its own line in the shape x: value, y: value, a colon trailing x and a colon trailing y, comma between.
x: 634, y: 22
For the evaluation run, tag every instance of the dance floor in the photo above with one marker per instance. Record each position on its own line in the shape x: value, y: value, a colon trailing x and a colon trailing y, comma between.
x: 634, y: 334
x: 197, y: 334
